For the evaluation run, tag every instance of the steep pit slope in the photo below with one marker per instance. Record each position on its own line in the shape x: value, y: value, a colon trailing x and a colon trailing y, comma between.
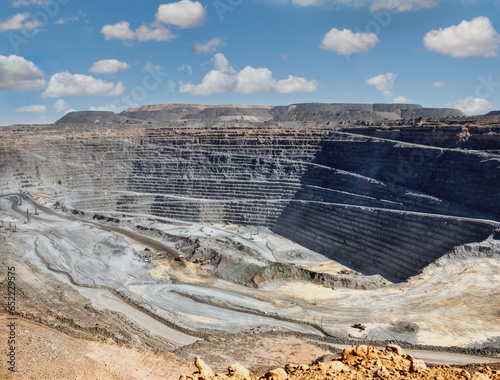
x: 477, y: 133
x: 377, y: 205
x: 382, y: 223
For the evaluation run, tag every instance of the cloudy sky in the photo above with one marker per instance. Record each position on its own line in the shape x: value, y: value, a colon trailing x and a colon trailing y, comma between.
x: 63, y: 55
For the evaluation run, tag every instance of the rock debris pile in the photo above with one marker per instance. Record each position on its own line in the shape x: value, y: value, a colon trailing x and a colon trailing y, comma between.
x: 361, y: 362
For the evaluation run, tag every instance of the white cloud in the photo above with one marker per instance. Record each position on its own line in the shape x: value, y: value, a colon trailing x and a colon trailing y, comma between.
x: 172, y: 86
x: 65, y: 20
x: 472, y: 106
x: 248, y: 81
x: 32, y: 26
x: 222, y: 64
x: 440, y: 84
x: 401, y: 100
x: 16, y: 22
x: 468, y: 39
x: 34, y: 108
x: 109, y: 66
x: 402, y: 5
x: 184, y: 14
x: 215, y: 82
x: 122, y: 31
x: 66, y: 84
x: 61, y: 106
x: 272, y: 2
x: 208, y: 47
x: 186, y: 68
x: 307, y: 3
x: 253, y: 81
x: 23, y: 3
x: 160, y: 33
x: 467, y: 3
x: 384, y: 82
x: 375, y: 5
x: 109, y: 107
x: 295, y: 84
x: 18, y: 74
x: 346, y: 42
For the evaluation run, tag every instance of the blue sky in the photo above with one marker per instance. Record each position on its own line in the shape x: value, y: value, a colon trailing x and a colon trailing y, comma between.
x: 62, y: 55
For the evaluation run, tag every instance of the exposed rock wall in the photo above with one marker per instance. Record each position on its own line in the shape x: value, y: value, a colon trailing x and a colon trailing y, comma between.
x: 381, y: 205
x: 469, y: 178
x: 453, y: 136
x: 392, y: 243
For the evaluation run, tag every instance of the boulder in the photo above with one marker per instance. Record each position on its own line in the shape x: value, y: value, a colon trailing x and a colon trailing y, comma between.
x: 354, y: 354
x: 335, y: 367
x: 276, y: 374
x: 395, y: 349
x: 417, y: 365
x: 238, y: 370
x: 203, y: 369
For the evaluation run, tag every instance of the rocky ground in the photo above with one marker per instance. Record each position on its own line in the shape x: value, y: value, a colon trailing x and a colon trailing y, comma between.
x: 45, y: 353
x: 361, y: 362
x: 51, y: 353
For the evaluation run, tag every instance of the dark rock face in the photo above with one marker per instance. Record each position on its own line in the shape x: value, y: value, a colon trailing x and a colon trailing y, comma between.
x: 452, y: 136
x: 454, y: 175
x: 377, y: 216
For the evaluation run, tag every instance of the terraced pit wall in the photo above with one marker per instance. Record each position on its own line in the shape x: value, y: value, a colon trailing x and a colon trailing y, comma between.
x: 326, y: 190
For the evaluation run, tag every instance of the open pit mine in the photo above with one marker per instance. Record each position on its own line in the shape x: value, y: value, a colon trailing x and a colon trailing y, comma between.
x: 263, y: 235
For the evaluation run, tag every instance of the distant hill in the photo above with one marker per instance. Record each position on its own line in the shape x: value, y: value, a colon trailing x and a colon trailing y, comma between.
x: 320, y: 112
x: 168, y: 112
x: 360, y: 112
x: 493, y: 113
x: 90, y: 117
x: 295, y: 112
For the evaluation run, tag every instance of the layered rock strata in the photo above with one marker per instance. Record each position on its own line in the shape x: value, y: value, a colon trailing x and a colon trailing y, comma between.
x: 377, y: 204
